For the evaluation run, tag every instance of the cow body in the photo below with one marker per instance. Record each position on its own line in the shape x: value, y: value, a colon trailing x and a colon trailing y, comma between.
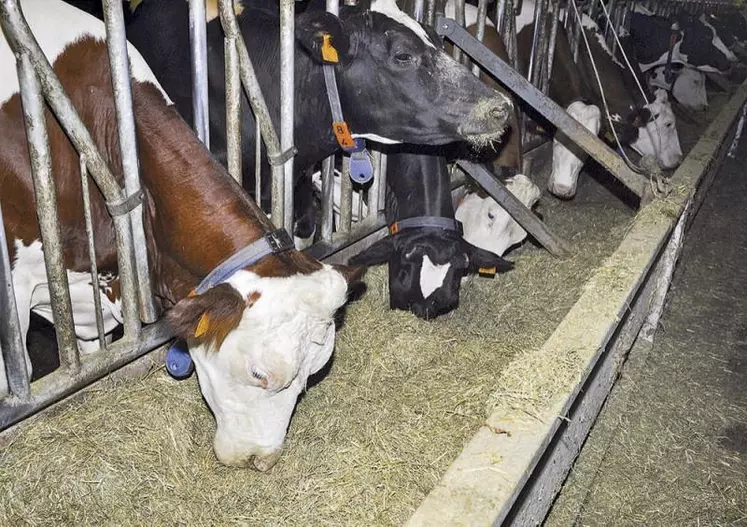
x: 254, y: 339
x: 394, y: 84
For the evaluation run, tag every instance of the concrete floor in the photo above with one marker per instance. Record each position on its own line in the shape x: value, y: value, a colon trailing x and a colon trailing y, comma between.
x: 670, y: 445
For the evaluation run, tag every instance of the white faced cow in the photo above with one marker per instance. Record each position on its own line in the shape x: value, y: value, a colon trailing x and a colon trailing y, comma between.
x: 688, y: 88
x: 255, y: 334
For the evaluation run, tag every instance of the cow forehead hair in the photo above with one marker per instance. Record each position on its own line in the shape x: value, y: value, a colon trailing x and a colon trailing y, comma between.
x: 389, y: 8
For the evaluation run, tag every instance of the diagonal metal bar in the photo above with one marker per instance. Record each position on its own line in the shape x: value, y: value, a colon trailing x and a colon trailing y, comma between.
x: 566, y: 124
x: 516, y: 209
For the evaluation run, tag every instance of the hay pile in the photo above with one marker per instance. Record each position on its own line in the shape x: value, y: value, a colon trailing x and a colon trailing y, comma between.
x: 366, y: 444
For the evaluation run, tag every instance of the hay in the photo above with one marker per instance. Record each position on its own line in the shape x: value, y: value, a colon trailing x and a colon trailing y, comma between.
x: 366, y: 444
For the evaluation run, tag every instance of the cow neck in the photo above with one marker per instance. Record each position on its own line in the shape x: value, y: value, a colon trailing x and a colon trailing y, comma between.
x: 422, y: 190
x: 197, y: 214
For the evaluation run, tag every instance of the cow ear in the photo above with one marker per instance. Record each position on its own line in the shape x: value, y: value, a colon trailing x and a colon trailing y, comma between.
x: 377, y: 254
x: 352, y: 273
x: 323, y: 36
x: 209, y: 317
x: 479, y: 259
x: 640, y: 116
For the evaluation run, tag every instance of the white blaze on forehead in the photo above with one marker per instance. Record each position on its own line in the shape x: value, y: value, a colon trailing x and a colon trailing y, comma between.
x: 55, y: 26
x: 389, y: 8
x: 659, y: 137
x: 566, y: 163
x: 432, y: 276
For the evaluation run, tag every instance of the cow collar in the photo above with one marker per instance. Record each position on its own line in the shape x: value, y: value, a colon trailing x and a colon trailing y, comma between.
x: 361, y: 169
x: 435, y: 222
x: 178, y: 361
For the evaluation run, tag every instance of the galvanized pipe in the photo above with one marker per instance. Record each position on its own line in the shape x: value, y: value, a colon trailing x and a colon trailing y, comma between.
x: 45, y: 193
x: 259, y: 108
x: 258, y: 163
x: 346, y: 198
x: 20, y: 39
x: 550, y: 52
x: 482, y: 14
x: 11, y: 340
x: 374, y: 192
x: 287, y: 105
x: 328, y: 204
x: 233, y: 111
x: 120, y: 72
x: 459, y: 18
x: 198, y: 46
x: 418, y: 11
x: 430, y: 12
x: 92, y: 252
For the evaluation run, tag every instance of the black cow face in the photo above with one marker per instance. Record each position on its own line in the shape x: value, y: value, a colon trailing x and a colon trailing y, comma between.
x: 426, y: 267
x: 396, y: 84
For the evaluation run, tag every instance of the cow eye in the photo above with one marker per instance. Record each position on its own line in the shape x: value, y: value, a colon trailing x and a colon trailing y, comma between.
x: 656, y: 116
x: 403, y: 58
x: 491, y: 216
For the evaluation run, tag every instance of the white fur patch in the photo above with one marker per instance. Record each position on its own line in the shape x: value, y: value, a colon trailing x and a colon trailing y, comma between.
x: 56, y: 25
x: 253, y: 381
x: 432, y: 276
x: 566, y: 165
x: 389, y: 8
x: 487, y: 225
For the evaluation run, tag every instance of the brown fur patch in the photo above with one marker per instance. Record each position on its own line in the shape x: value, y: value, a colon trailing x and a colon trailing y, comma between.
x: 222, y: 306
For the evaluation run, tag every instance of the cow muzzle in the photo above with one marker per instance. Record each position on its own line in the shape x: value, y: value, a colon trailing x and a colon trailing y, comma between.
x: 487, y: 121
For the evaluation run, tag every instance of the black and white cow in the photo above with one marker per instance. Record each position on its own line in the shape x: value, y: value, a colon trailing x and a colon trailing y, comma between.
x: 395, y: 84
x: 731, y: 26
x: 426, y: 263
x: 688, y: 87
x: 651, y: 35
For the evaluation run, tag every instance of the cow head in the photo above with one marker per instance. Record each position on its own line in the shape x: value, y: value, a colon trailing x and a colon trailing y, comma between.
x: 255, y: 341
x: 487, y: 225
x: 426, y: 267
x: 567, y: 157
x: 689, y: 87
x: 657, y: 133
x: 396, y: 84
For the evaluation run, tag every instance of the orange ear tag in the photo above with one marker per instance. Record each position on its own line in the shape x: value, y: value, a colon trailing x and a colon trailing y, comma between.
x: 329, y: 53
x: 394, y: 228
x: 342, y: 133
x: 487, y: 271
x: 202, y: 326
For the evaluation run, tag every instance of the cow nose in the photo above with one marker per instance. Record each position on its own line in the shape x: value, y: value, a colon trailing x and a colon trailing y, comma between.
x: 487, y: 120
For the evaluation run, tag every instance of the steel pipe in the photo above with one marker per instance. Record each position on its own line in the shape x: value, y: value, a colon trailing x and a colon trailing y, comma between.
x: 40, y: 156
x: 198, y: 47
x: 233, y: 112
x: 328, y: 204
x: 346, y: 198
x: 287, y: 106
x: 482, y: 14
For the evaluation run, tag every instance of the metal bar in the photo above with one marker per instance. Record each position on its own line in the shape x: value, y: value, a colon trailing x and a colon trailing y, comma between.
x: 516, y: 209
x: 46, y: 210
x: 346, y: 197
x: 540, y: 23
x: 198, y: 46
x: 19, y: 37
x: 374, y: 192
x: 258, y: 163
x: 418, y: 11
x: 259, y: 107
x: 340, y: 240
x: 382, y: 175
x: 551, y: 47
x: 233, y: 111
x: 11, y: 340
x: 482, y: 13
x: 459, y: 17
x: 92, y: 252
x: 577, y: 133
x: 287, y: 105
x: 328, y: 203
x: 120, y: 72
x: 430, y: 12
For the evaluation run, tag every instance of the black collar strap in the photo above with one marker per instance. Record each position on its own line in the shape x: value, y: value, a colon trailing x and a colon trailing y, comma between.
x: 274, y: 242
x: 434, y: 222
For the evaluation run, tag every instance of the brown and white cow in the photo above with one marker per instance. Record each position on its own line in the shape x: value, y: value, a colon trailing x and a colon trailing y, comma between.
x: 261, y: 333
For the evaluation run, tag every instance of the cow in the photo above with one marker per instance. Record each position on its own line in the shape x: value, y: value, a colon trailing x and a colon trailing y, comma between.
x: 256, y: 331
x: 426, y: 253
x: 689, y: 22
x: 688, y: 87
x: 487, y: 225
x: 694, y: 46
x: 647, y: 127
x: 731, y: 26
x: 395, y: 83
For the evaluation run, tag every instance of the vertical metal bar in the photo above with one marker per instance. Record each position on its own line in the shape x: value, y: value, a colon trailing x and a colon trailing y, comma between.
x: 482, y: 14
x: 198, y: 46
x: 418, y: 11
x: 233, y: 110
x: 459, y: 18
x: 381, y: 177
x: 46, y: 209
x: 539, y: 43
x: 120, y: 72
x: 510, y: 37
x: 259, y: 107
x: 328, y: 198
x: 551, y: 47
x: 500, y: 9
x: 430, y: 12
x: 258, y: 163
x: 11, y: 341
x: 375, y: 192
x: 92, y: 252
x: 287, y: 105
x: 346, y: 197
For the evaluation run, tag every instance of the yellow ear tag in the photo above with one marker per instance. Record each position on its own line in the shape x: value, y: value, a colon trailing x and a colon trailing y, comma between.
x: 329, y: 53
x: 202, y: 326
x: 487, y: 271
